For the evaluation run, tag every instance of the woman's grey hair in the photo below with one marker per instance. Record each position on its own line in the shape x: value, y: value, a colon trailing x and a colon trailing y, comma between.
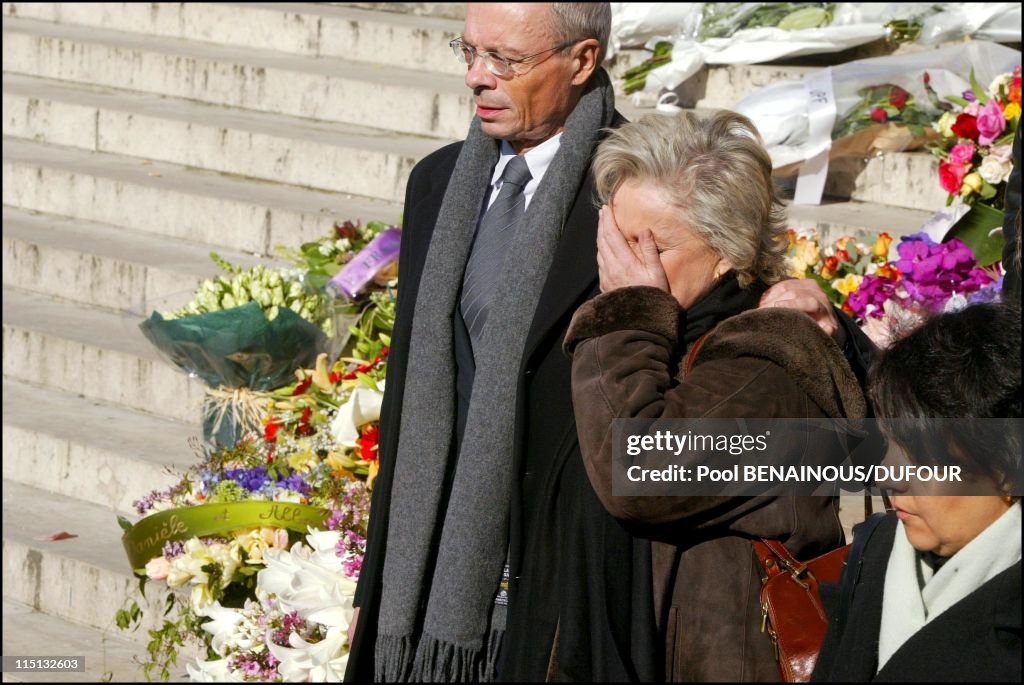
x: 716, y: 171
x: 580, y: 20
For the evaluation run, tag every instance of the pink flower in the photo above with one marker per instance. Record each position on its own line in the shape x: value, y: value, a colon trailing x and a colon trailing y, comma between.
x: 973, y: 109
x: 962, y: 153
x: 991, y: 123
x: 951, y: 176
x: 1003, y: 153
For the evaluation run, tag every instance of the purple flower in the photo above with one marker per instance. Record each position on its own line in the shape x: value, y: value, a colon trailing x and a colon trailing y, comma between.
x: 969, y: 95
x: 870, y: 297
x: 250, y: 479
x: 991, y: 123
x: 173, y: 550
x: 294, y: 483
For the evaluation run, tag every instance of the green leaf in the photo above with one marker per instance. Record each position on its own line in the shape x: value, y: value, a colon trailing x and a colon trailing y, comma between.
x: 988, y: 191
x: 979, y: 92
x: 957, y: 100
x: 124, y: 523
x: 975, y: 229
x: 804, y: 18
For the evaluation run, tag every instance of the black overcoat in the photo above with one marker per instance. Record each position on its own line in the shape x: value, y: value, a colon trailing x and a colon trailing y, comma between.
x: 575, y: 570
x: 975, y: 640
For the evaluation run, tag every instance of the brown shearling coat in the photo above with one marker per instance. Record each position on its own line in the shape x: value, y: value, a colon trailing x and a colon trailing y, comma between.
x: 770, y: 363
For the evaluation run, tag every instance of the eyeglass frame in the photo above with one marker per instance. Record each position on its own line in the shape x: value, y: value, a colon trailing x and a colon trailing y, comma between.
x: 495, y: 58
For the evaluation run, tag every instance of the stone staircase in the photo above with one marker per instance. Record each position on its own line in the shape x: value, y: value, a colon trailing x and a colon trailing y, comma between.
x: 138, y: 137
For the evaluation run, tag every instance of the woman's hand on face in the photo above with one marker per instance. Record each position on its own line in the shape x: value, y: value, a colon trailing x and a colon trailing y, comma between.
x: 618, y: 266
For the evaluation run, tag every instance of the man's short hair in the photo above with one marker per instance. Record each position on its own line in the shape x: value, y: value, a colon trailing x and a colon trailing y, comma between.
x: 581, y: 20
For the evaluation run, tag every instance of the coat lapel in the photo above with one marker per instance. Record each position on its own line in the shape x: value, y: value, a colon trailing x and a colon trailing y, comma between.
x: 573, y: 273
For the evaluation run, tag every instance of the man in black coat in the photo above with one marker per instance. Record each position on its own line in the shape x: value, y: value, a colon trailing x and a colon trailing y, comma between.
x: 576, y: 604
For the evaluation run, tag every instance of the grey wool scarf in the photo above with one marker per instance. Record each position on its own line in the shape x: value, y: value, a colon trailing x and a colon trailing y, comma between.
x: 456, y: 639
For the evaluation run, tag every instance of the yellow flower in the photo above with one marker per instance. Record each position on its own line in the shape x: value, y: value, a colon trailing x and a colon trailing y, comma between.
x: 303, y: 462
x: 848, y: 285
x: 972, y: 184
x: 945, y: 124
x: 881, y: 247
x: 803, y: 255
x: 1011, y: 111
x: 341, y: 465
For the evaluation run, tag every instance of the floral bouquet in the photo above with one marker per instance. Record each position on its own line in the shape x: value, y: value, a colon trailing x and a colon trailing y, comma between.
x: 246, y: 329
x: 886, y: 104
x: 322, y: 259
x: 975, y: 157
x: 889, y: 297
x: 840, y: 267
x: 269, y: 533
x: 977, y: 135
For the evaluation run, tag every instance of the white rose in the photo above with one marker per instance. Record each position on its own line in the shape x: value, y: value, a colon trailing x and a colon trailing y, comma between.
x: 994, y: 170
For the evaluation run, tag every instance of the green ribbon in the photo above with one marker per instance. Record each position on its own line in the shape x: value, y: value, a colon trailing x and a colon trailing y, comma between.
x: 146, y: 539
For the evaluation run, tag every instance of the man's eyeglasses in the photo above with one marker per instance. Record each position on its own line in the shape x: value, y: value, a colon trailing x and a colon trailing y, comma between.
x: 495, y: 63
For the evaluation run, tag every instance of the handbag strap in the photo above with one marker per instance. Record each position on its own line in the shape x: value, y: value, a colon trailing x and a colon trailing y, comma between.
x: 781, y: 556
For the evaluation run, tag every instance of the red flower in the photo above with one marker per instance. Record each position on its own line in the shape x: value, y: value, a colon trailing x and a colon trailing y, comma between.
x: 303, y: 386
x: 951, y: 176
x: 368, y: 443
x: 304, y: 427
x: 334, y: 376
x: 878, y: 114
x: 898, y: 97
x: 843, y: 255
x: 270, y: 430
x: 366, y: 368
x: 966, y: 126
x: 347, y: 230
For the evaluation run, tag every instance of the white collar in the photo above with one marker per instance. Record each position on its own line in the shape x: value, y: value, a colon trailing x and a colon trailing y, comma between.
x: 907, y: 607
x: 538, y: 159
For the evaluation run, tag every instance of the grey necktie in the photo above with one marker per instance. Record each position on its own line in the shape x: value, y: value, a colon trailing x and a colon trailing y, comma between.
x: 490, y: 246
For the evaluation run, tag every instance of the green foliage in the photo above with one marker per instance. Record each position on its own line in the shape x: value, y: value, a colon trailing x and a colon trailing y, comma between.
x: 636, y: 78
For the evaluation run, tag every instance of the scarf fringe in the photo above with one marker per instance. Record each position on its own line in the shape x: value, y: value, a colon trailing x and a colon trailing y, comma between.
x: 438, y: 661
x: 435, y: 661
x: 392, y: 658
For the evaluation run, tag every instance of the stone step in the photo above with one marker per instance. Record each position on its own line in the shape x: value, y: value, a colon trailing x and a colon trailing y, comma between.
x: 98, y: 354
x: 175, y: 201
x: 327, y: 89
x: 97, y: 452
x: 901, y: 179
x: 449, y: 10
x: 104, y: 266
x: 835, y: 218
x: 271, y: 147
x: 310, y: 29
x: 84, y: 579
x: 109, y: 656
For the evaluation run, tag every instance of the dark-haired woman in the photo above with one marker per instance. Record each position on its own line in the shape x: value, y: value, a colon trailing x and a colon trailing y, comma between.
x: 937, y: 595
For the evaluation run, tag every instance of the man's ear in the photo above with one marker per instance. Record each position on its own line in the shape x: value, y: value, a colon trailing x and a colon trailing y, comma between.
x: 585, y: 54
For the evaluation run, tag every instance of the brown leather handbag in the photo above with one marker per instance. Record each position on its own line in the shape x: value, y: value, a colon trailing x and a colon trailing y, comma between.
x: 791, y: 609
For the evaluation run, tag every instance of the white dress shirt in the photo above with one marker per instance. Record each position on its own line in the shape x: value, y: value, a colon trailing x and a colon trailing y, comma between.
x: 538, y: 159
